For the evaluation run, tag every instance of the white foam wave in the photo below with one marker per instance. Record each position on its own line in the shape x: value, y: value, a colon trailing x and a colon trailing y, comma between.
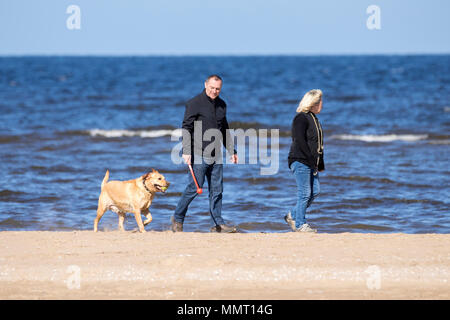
x: 381, y: 138
x: 134, y: 133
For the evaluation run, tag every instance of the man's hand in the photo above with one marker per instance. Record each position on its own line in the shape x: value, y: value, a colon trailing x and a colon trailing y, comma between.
x: 234, y: 158
x: 187, y: 158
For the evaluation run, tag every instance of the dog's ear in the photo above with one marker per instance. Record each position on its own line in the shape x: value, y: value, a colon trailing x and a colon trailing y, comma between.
x: 145, y: 176
x: 154, y: 171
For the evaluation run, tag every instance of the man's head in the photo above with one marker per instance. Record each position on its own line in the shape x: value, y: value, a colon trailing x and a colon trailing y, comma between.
x: 213, y: 85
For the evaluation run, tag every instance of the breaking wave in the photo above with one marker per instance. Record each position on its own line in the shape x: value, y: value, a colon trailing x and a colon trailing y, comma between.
x: 381, y: 138
x: 135, y: 133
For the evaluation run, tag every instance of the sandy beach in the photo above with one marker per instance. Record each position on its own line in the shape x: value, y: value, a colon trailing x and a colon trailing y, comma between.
x: 164, y: 265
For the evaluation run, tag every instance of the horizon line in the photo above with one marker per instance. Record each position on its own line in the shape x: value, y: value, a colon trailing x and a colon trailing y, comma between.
x: 12, y: 55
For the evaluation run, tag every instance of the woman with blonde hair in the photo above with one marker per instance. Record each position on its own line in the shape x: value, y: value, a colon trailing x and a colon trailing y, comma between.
x: 306, y: 158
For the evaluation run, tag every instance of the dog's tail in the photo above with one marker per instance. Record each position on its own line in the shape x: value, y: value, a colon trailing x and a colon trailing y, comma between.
x: 105, y: 179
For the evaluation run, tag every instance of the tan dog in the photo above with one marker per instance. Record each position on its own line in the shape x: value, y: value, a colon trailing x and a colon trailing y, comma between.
x: 134, y: 196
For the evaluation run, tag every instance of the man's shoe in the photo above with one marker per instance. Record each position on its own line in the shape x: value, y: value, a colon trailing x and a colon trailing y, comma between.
x: 290, y: 221
x: 223, y: 229
x: 176, y: 226
x: 306, y: 228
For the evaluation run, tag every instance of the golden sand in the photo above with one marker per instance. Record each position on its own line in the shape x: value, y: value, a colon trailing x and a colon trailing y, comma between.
x: 166, y: 265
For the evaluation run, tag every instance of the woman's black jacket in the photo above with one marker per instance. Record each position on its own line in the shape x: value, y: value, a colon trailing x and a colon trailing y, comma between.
x: 307, y: 141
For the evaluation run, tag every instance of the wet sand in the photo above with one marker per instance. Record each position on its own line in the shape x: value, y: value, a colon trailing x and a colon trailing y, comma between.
x: 164, y: 265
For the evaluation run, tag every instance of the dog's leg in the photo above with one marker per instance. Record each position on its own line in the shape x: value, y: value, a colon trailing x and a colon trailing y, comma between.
x: 148, y: 216
x: 101, y: 209
x: 121, y: 219
x: 137, y: 215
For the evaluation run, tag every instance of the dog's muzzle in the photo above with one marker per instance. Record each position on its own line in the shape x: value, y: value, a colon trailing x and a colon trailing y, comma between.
x: 160, y: 188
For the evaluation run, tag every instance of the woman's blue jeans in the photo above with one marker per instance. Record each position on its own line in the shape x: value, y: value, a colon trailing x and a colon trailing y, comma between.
x: 308, y: 188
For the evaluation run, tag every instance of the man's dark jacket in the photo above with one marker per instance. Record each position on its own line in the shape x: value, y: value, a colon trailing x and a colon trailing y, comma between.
x: 212, y: 114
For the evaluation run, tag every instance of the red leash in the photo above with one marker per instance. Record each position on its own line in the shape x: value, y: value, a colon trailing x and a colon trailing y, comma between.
x: 199, y: 190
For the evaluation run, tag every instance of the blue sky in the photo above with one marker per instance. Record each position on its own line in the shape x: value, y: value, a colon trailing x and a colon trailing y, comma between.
x: 199, y: 27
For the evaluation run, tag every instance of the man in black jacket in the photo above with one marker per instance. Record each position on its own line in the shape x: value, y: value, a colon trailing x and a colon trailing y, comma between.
x: 208, y: 111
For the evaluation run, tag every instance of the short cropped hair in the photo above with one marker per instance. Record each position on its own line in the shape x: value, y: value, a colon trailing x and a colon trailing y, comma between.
x: 310, y: 99
x: 215, y: 77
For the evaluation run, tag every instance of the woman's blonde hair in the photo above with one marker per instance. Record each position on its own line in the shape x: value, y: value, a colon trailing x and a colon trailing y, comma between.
x: 309, y: 100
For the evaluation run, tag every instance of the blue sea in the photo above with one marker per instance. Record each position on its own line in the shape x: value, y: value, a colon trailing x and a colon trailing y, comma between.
x: 65, y: 120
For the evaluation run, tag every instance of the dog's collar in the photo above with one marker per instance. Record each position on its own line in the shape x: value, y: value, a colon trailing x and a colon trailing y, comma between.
x: 148, y: 190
